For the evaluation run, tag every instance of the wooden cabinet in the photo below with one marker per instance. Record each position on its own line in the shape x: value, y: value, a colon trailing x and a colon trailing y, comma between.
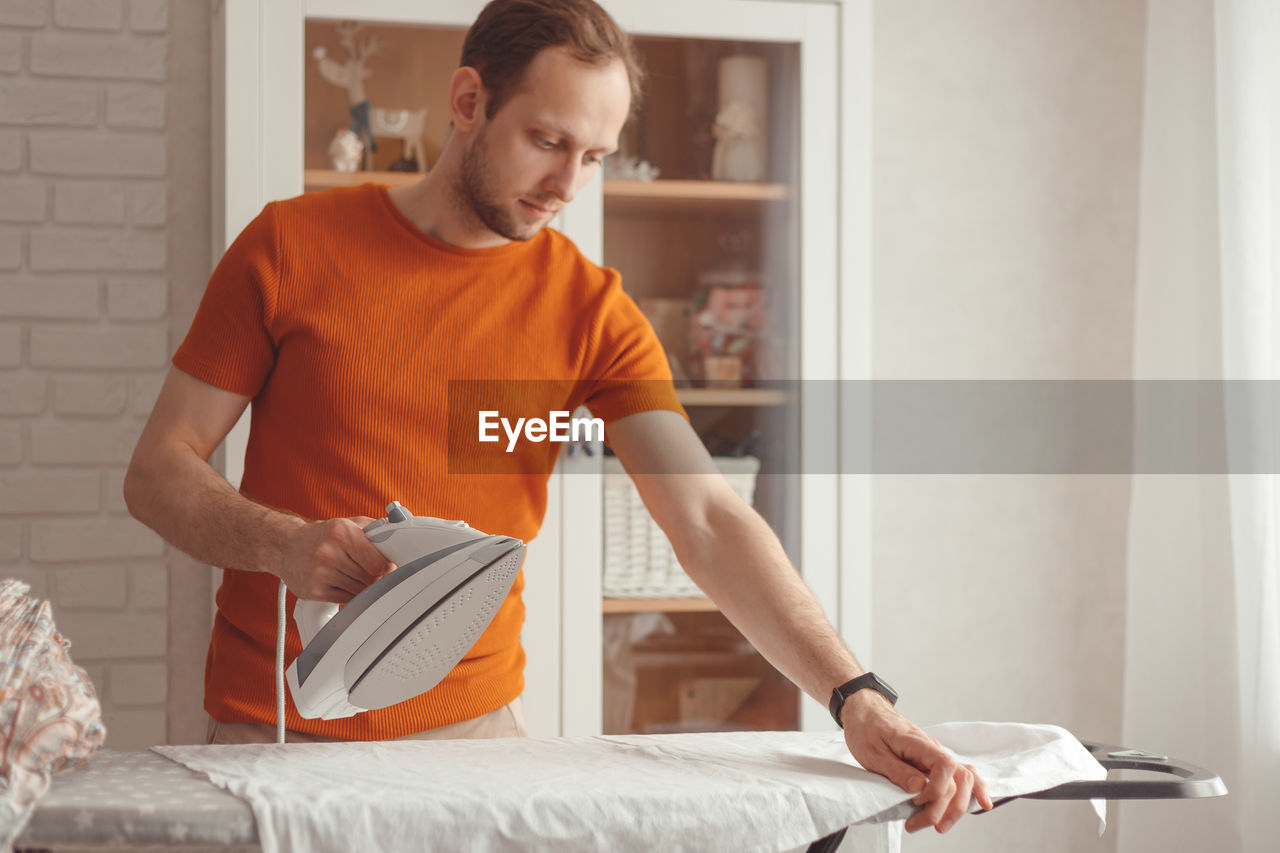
x: 792, y: 238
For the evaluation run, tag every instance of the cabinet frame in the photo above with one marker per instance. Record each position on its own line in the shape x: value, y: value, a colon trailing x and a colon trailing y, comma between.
x: 258, y: 56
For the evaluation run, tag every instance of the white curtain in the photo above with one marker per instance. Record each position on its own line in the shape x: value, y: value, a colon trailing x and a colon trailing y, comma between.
x: 1202, y: 656
x: 1248, y: 89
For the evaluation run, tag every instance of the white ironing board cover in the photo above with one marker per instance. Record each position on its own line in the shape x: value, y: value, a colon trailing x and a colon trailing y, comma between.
x: 766, y: 791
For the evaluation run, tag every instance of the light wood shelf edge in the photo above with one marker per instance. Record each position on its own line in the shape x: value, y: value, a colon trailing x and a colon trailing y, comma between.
x: 313, y: 179
x: 705, y: 190
x: 662, y: 605
x: 733, y: 397
x: 631, y: 190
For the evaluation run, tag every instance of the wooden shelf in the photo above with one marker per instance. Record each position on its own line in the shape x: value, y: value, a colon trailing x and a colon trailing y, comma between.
x: 659, y: 605
x: 638, y: 195
x: 673, y: 197
x: 324, y: 179
x: 734, y: 397
x: 708, y: 190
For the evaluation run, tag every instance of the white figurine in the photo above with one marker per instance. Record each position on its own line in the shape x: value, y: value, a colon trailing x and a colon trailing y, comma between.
x: 629, y: 169
x: 345, y: 150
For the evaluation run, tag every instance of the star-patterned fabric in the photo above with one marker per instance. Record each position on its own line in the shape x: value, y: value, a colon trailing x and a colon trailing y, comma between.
x: 129, y: 799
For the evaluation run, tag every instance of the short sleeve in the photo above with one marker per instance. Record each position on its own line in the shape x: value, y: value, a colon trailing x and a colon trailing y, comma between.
x: 229, y: 343
x: 628, y: 370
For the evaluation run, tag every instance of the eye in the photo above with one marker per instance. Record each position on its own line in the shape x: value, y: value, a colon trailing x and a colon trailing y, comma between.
x: 546, y: 143
x: 595, y: 161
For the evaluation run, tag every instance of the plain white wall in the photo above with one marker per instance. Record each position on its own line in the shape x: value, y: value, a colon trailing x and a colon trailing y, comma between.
x: 1006, y: 146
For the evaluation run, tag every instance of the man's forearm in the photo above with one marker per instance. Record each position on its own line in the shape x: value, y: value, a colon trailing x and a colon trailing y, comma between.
x: 739, y: 562
x: 179, y: 495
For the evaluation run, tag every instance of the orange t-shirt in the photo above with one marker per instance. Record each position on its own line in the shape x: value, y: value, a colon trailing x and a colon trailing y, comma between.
x: 345, y: 323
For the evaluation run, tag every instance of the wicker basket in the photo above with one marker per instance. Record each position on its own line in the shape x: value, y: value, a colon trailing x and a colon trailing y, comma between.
x: 639, y: 561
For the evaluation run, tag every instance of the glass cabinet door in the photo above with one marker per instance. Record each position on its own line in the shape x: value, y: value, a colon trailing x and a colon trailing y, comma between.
x: 700, y: 219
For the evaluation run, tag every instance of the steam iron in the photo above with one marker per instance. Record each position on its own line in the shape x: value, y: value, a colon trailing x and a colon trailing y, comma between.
x: 403, y: 633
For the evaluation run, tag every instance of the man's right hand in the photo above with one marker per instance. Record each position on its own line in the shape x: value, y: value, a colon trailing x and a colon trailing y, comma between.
x: 331, y: 560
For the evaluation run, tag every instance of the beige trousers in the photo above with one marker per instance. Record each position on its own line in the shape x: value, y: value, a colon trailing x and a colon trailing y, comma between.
x: 507, y: 721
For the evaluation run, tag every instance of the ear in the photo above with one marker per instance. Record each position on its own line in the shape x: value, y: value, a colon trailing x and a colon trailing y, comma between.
x: 467, y: 96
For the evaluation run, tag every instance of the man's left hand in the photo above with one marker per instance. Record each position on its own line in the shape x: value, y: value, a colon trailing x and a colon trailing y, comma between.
x: 887, y: 743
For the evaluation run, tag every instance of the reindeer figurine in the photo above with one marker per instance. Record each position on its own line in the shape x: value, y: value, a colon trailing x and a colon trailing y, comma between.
x: 369, y: 122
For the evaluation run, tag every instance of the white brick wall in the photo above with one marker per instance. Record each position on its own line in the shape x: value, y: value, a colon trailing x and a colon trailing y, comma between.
x: 84, y: 330
x: 88, y: 202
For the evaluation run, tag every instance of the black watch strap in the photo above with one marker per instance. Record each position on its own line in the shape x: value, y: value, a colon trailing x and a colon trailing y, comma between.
x: 866, y: 680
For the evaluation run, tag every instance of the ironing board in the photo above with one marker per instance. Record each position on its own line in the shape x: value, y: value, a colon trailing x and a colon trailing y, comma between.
x: 126, y: 800
x: 1171, y: 779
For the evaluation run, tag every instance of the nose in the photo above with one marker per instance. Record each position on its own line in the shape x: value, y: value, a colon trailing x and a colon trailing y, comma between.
x: 563, y: 182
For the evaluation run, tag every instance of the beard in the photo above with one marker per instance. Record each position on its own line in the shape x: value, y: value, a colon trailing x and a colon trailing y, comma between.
x: 476, y: 195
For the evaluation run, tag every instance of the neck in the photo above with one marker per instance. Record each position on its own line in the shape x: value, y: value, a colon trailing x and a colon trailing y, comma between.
x: 434, y: 206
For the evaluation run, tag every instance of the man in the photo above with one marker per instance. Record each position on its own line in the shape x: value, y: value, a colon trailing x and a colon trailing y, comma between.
x: 344, y: 315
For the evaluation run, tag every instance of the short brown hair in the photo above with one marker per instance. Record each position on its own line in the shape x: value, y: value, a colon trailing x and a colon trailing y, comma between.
x: 508, y: 34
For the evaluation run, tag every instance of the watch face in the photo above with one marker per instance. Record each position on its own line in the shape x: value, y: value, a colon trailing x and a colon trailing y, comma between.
x: 873, y: 682
x: 868, y: 680
x: 888, y: 692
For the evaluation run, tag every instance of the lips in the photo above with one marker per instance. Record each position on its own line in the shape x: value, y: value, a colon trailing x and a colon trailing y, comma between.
x: 538, y: 209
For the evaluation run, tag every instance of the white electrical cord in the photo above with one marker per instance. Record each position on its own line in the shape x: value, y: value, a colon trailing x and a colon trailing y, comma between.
x: 280, y: 664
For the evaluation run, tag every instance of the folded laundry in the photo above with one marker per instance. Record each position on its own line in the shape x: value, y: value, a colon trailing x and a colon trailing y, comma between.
x: 714, y: 791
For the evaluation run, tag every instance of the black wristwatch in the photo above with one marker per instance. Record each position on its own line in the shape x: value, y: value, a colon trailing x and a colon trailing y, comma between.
x: 868, y: 680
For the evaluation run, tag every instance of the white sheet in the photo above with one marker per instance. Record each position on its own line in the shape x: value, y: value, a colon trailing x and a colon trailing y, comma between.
x: 766, y: 791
